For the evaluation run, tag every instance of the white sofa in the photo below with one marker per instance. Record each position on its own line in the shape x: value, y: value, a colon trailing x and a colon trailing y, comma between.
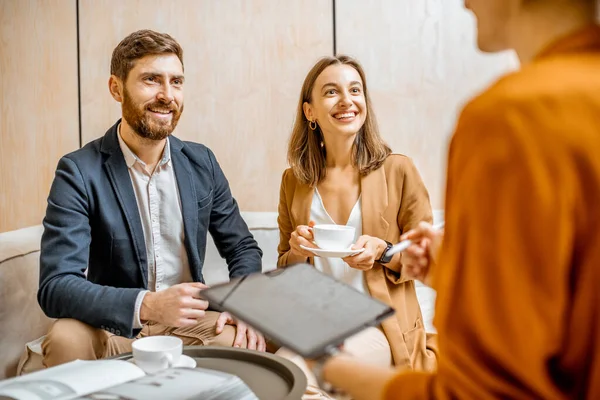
x: 22, y: 321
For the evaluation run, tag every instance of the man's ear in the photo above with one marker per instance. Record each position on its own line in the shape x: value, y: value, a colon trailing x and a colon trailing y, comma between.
x: 115, y: 86
x: 308, y: 111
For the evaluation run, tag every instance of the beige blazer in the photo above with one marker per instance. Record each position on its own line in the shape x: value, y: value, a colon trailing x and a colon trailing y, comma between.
x: 394, y: 200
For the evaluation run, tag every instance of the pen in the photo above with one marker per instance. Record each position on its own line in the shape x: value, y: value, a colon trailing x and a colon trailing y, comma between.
x: 405, y: 244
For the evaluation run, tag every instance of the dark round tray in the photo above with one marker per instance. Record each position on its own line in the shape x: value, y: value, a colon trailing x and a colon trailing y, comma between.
x: 270, y: 377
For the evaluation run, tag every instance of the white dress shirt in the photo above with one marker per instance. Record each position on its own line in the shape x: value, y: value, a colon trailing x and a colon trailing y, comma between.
x: 159, y: 205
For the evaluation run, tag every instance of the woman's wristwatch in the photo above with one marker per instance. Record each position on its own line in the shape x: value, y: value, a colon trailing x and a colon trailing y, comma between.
x: 384, y: 259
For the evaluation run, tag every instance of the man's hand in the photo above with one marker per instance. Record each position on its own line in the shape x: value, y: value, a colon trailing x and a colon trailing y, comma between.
x: 373, y: 246
x: 418, y: 259
x: 178, y: 306
x: 256, y: 340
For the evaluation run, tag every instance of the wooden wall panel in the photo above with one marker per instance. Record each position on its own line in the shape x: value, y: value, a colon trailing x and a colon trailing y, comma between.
x: 244, y: 66
x: 39, y: 103
x: 422, y: 65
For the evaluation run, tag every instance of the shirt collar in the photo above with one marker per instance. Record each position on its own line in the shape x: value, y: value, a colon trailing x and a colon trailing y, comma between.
x: 131, y: 158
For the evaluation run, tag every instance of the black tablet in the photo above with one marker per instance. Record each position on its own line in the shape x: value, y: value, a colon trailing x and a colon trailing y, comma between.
x: 299, y: 307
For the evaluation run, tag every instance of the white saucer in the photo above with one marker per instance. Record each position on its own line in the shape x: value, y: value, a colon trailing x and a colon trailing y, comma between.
x: 333, y: 253
x: 184, y: 362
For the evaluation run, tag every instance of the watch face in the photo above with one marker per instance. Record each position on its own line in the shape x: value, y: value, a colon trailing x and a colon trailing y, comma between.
x: 384, y: 258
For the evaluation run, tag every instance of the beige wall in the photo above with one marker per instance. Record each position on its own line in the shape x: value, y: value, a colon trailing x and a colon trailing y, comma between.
x: 38, y: 106
x: 421, y: 64
x: 245, y: 61
x: 244, y: 64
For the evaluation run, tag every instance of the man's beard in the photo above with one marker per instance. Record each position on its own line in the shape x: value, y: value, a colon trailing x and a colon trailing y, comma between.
x: 143, y: 124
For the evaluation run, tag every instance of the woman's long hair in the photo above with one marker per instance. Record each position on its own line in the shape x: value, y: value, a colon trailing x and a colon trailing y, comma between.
x: 306, y: 156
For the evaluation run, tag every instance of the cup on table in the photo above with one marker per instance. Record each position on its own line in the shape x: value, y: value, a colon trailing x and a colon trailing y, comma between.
x: 333, y: 237
x: 155, y: 353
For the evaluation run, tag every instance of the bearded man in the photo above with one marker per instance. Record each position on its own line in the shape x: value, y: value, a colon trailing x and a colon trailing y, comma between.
x: 127, y: 221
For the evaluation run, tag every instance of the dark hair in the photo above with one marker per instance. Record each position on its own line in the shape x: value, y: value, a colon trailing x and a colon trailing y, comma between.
x: 140, y: 44
x: 305, y: 155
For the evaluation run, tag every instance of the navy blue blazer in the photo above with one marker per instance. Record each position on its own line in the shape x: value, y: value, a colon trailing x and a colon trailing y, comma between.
x: 92, y: 222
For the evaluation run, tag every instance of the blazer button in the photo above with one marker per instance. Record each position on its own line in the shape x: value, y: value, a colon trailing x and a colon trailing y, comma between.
x: 118, y: 332
x: 102, y: 327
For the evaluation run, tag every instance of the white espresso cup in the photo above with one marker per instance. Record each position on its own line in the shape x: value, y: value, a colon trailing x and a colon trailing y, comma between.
x: 155, y: 353
x: 333, y: 237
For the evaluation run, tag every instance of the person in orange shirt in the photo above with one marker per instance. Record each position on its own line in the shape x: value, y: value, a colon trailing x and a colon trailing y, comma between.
x: 518, y: 272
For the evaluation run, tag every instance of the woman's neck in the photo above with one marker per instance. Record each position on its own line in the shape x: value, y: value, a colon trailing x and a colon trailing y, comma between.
x: 339, y: 151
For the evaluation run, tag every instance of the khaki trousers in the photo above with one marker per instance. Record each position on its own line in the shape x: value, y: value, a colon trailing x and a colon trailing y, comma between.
x: 370, y: 346
x: 70, y: 339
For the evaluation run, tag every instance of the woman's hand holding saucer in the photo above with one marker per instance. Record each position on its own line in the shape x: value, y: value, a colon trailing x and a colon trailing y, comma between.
x: 364, y: 261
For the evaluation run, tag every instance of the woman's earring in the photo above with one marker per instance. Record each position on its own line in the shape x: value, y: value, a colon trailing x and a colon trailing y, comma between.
x: 312, y: 125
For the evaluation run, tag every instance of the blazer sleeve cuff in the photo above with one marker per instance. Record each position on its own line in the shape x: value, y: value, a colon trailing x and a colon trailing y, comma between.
x: 137, y: 323
x: 394, y: 271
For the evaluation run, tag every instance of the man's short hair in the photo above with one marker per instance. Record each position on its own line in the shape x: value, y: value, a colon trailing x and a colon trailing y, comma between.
x: 140, y: 44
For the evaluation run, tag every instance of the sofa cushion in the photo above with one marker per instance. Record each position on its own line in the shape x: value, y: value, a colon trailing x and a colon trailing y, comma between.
x: 21, y: 319
x: 31, y: 359
x: 263, y: 226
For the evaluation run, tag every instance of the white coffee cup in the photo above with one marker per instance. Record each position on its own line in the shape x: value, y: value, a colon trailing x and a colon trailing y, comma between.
x: 155, y: 353
x: 333, y: 237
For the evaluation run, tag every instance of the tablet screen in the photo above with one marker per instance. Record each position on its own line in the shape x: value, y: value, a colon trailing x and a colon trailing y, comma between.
x: 299, y: 307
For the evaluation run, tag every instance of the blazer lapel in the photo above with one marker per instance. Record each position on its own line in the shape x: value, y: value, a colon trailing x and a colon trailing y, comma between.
x: 118, y: 175
x: 374, y: 196
x: 301, y: 202
x: 189, y: 202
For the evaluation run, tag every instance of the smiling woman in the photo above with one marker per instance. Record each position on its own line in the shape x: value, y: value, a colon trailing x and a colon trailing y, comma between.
x: 343, y: 173
x: 334, y: 86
